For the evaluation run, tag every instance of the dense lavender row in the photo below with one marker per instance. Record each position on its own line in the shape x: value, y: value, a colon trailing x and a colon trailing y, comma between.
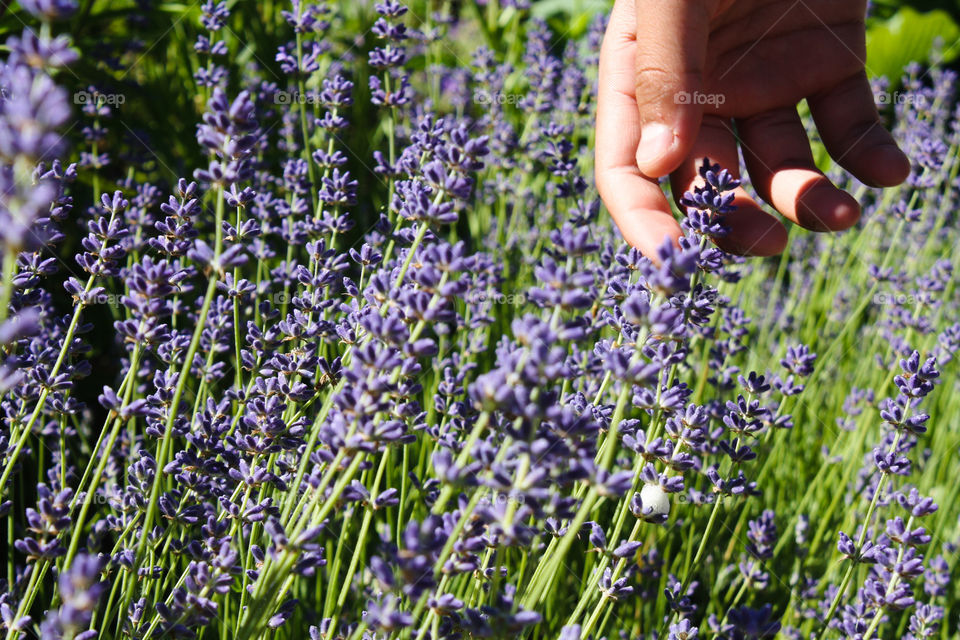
x: 423, y: 390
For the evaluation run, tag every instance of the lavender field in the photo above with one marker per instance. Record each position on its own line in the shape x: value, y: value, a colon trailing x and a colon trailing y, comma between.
x: 313, y: 325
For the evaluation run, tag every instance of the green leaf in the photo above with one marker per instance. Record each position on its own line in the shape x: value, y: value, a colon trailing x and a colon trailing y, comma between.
x: 907, y: 37
x: 576, y: 14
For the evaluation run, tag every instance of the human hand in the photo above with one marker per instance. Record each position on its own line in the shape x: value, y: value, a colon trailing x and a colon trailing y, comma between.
x: 676, y: 76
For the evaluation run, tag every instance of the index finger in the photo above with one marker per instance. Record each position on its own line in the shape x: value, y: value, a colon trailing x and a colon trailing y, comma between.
x: 636, y: 202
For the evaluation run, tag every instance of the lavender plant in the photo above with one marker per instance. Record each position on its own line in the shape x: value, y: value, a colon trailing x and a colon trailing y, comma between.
x: 367, y: 362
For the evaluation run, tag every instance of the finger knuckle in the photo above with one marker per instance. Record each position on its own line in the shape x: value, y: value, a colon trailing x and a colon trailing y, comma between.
x: 656, y: 85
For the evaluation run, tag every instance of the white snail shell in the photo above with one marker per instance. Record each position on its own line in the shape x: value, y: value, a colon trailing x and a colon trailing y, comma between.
x: 655, y: 500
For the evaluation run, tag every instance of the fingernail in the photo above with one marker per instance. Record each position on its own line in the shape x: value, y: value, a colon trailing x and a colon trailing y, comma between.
x: 656, y: 140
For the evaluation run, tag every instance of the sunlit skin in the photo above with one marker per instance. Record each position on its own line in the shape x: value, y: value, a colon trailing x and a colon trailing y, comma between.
x: 684, y: 79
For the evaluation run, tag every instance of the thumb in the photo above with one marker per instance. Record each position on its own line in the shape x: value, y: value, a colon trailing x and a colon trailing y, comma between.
x: 671, y: 52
